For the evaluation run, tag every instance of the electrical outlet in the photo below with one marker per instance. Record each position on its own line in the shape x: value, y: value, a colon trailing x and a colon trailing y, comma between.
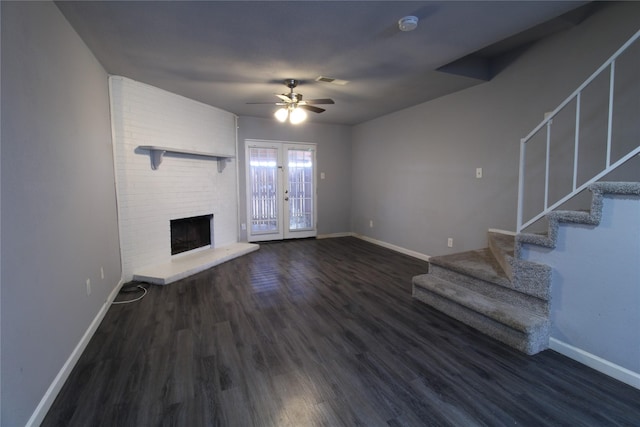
x: 322, y: 175
x: 450, y: 242
x: 478, y: 172
x: 102, y: 273
x: 370, y: 223
x: 88, y: 286
x: 243, y: 226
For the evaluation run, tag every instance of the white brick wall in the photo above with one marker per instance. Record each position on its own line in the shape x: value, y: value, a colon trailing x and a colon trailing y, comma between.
x: 183, y: 185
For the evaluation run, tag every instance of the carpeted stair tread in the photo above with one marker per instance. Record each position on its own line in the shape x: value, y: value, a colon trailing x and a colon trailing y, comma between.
x: 480, y: 264
x: 616, y: 188
x: 506, y: 314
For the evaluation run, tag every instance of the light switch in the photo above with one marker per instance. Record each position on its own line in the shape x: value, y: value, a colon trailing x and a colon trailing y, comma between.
x: 321, y: 175
x: 478, y: 172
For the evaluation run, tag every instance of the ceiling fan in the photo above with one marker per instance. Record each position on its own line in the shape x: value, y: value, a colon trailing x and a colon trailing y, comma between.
x: 293, y: 105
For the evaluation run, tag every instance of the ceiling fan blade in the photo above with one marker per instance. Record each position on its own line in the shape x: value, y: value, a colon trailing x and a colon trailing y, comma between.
x: 312, y: 108
x: 319, y: 101
x: 267, y: 103
x: 285, y: 98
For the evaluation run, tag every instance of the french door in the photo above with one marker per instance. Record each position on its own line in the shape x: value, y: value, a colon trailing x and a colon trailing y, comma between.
x: 281, y: 190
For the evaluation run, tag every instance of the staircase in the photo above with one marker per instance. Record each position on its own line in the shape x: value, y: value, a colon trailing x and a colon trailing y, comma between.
x: 497, y: 292
x: 495, y: 289
x: 492, y: 291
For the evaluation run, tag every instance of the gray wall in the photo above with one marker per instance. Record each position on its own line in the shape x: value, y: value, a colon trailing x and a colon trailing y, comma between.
x: 414, y: 170
x: 333, y: 157
x: 595, y: 293
x: 59, y: 224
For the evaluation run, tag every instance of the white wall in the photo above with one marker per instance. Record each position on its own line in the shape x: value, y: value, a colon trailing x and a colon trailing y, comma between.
x: 595, y: 290
x: 59, y: 223
x: 183, y: 185
x: 414, y: 170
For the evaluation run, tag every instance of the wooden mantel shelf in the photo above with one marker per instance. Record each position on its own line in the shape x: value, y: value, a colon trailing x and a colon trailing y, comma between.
x: 157, y: 153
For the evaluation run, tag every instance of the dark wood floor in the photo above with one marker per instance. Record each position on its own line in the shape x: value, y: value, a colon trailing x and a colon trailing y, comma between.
x: 319, y: 332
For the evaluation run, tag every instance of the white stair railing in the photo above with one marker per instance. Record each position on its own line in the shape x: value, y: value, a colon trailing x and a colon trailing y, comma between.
x: 547, y: 123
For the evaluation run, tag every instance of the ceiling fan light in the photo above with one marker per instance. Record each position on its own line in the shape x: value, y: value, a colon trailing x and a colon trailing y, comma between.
x: 281, y: 114
x: 298, y: 115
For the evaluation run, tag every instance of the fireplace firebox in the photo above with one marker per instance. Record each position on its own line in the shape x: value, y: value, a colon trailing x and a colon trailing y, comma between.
x: 190, y: 233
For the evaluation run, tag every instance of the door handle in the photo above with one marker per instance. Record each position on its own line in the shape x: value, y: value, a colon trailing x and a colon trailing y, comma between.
x: 286, y: 199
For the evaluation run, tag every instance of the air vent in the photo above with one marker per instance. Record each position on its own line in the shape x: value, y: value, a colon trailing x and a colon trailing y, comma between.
x: 331, y: 80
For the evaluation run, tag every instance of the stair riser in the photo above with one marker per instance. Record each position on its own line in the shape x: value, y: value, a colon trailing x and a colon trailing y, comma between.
x: 531, y: 343
x: 532, y: 279
x: 528, y: 302
x: 501, y: 257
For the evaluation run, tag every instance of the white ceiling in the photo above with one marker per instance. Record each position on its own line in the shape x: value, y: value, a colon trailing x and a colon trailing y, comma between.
x: 228, y: 53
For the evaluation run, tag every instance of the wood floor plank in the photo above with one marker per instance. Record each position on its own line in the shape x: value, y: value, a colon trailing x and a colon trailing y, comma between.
x: 319, y: 333
x: 235, y: 408
x: 298, y: 400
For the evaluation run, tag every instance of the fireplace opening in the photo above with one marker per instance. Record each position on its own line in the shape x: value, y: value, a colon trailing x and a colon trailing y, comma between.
x: 190, y: 233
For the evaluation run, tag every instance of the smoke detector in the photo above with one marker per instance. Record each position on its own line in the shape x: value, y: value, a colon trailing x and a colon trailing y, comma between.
x: 408, y: 23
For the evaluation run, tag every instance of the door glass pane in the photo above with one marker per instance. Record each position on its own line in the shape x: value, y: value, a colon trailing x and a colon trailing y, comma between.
x: 263, y: 176
x: 300, y: 165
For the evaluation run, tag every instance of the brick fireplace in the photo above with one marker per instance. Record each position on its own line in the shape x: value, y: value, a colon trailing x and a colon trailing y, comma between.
x: 184, y: 186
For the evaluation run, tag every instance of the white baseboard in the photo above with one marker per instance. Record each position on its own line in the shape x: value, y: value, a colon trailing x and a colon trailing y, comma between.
x: 507, y: 232
x: 334, y: 235
x: 52, y: 392
x: 599, y: 364
x: 402, y: 250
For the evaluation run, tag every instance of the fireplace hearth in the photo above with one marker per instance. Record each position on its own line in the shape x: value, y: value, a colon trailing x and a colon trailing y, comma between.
x: 190, y: 233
